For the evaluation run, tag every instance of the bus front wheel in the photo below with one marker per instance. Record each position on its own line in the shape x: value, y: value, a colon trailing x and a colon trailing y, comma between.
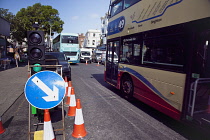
x: 127, y: 87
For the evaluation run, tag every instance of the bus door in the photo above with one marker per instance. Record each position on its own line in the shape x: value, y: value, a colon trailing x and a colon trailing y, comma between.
x: 112, y: 62
x: 199, y: 104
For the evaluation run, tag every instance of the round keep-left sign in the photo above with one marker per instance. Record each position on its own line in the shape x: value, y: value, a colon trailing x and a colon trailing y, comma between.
x: 45, y: 89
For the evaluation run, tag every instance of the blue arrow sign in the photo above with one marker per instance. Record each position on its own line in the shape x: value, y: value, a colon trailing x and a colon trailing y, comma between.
x: 45, y: 89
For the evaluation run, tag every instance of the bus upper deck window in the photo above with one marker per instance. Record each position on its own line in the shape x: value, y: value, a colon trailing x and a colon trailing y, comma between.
x: 116, y: 8
x: 129, y: 3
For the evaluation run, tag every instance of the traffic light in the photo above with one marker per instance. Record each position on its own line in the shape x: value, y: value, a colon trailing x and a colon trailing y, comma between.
x: 36, y: 50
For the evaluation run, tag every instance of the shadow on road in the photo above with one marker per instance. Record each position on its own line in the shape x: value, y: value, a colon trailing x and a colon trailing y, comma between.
x: 187, y: 130
x: 8, y: 122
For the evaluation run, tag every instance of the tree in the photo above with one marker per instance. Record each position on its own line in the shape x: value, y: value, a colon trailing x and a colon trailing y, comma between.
x: 6, y: 14
x: 45, y: 15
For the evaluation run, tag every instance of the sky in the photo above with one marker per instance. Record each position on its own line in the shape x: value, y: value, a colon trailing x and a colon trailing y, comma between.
x: 78, y: 15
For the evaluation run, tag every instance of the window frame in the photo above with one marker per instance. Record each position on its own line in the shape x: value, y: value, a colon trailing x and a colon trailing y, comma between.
x: 122, y: 5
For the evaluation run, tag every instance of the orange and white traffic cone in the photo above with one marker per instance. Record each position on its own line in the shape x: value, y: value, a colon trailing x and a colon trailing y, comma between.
x: 70, y: 84
x: 2, y: 130
x: 48, y: 129
x: 68, y: 95
x: 79, y: 130
x: 72, y: 105
x: 98, y: 64
x: 66, y: 84
x: 86, y: 62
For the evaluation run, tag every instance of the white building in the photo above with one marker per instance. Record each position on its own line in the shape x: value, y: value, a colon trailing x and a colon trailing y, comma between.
x: 104, y: 26
x: 92, y: 39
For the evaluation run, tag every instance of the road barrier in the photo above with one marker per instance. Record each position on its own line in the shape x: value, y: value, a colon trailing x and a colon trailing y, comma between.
x: 79, y: 130
x: 2, y: 130
x: 48, y: 129
x: 72, y: 105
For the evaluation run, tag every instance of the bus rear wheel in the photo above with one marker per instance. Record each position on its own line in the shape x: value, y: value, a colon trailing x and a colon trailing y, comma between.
x: 127, y: 87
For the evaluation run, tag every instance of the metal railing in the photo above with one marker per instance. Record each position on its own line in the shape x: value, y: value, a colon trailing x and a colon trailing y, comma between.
x: 193, y: 95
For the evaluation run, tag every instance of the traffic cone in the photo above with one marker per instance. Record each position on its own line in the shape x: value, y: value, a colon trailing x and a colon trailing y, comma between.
x: 66, y: 81
x: 98, y: 64
x: 86, y: 62
x: 2, y: 130
x: 70, y: 84
x: 68, y: 95
x: 66, y: 84
x: 79, y: 130
x: 72, y: 105
x: 48, y: 129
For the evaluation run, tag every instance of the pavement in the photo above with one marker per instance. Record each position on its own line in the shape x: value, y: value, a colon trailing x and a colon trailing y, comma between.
x: 12, y: 82
x: 14, y: 107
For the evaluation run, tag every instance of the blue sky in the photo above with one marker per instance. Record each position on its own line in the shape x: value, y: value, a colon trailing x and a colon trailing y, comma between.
x: 78, y: 15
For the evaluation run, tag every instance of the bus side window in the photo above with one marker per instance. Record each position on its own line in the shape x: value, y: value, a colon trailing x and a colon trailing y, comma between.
x: 165, y: 51
x: 136, y: 54
x: 126, y: 55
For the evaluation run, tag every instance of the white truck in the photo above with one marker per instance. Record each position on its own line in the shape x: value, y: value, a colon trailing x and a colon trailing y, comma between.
x: 85, y: 55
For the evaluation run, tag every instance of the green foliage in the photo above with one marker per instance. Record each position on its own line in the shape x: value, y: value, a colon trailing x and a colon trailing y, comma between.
x: 6, y: 14
x: 45, y: 15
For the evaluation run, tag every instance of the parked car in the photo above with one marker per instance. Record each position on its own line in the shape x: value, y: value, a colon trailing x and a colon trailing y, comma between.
x: 58, y: 58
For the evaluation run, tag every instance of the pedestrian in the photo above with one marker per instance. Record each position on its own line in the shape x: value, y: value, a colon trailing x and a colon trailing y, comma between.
x: 16, y: 57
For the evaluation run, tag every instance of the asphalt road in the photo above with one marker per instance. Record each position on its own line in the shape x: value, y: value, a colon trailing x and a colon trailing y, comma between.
x: 107, y: 115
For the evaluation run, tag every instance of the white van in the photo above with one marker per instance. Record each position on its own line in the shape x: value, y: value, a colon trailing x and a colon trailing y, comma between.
x: 85, y: 55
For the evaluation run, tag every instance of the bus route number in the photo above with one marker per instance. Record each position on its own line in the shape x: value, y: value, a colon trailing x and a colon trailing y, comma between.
x: 121, y: 24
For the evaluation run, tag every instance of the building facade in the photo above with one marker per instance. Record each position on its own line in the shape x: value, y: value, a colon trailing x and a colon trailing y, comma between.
x: 4, y: 34
x: 92, y: 39
x: 104, y: 26
x: 81, y: 39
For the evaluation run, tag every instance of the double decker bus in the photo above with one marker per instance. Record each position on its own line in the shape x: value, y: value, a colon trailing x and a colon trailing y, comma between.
x: 163, y: 55
x: 68, y: 43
